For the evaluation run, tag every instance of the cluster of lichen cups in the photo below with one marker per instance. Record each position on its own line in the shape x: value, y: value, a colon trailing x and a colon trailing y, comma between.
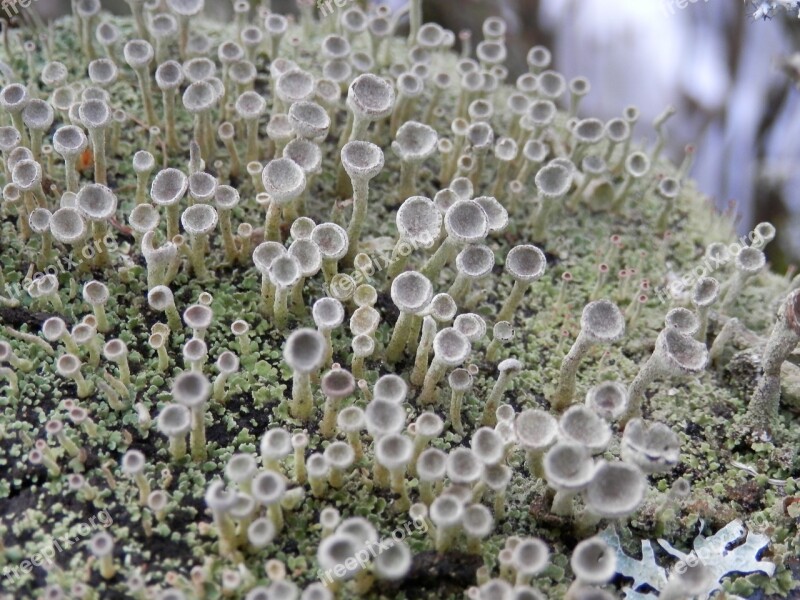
x: 186, y: 220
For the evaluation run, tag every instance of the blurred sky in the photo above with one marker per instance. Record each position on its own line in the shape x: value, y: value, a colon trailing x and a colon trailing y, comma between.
x: 710, y: 61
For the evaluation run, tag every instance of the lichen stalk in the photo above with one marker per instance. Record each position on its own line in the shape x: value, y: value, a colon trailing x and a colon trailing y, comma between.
x: 565, y: 392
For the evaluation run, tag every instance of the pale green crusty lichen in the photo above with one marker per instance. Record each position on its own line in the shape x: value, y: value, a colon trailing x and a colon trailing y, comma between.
x: 613, y: 234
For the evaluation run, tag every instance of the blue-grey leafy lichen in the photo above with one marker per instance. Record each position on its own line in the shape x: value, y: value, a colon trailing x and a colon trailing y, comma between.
x: 312, y: 306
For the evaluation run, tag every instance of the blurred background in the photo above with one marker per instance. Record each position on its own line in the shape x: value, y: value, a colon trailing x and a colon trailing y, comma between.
x: 733, y: 80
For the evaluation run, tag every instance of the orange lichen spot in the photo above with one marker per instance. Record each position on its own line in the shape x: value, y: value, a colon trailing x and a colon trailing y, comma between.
x: 86, y: 159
